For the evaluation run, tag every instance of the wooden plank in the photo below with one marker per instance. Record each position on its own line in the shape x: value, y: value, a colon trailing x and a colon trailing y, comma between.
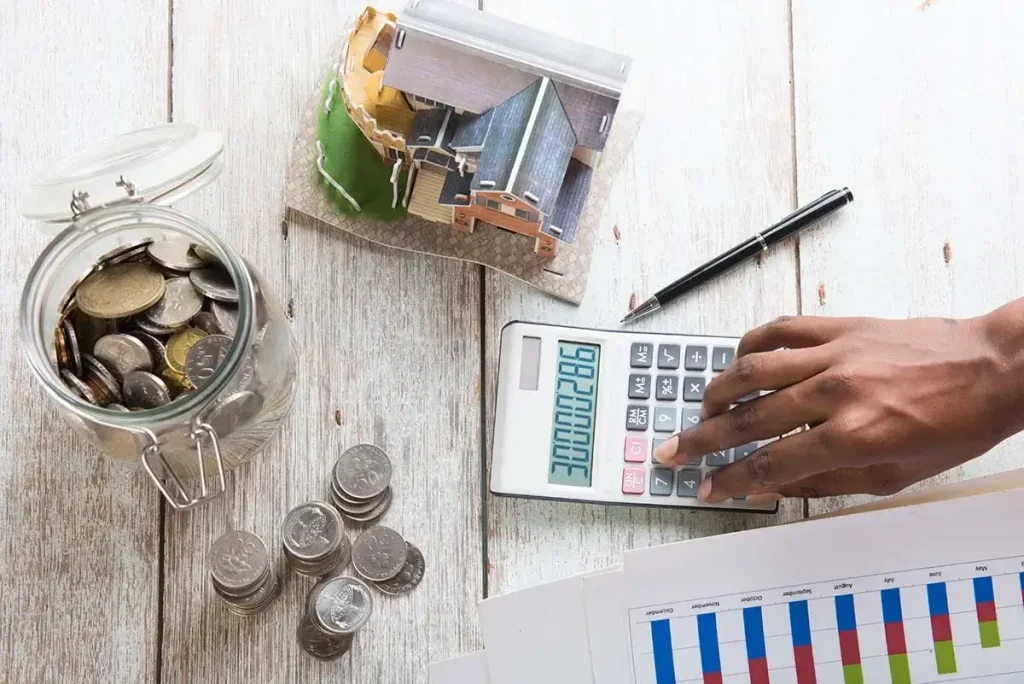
x: 711, y: 165
x: 918, y: 107
x: 79, y: 567
x: 389, y: 345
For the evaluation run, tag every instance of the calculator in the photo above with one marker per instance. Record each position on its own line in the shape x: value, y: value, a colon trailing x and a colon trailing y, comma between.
x: 579, y: 413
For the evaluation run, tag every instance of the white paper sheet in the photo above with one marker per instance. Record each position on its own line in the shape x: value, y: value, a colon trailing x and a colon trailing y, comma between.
x: 604, y: 599
x: 467, y: 669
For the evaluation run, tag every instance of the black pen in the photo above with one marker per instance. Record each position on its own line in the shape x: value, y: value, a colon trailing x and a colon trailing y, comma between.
x: 801, y: 218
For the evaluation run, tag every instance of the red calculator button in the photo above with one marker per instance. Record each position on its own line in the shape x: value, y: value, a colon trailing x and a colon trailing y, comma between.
x: 636, y: 449
x: 634, y: 480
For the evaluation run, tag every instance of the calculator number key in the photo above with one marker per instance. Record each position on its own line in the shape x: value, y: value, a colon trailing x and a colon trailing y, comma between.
x: 695, y: 358
x: 639, y: 386
x: 693, y: 388
x: 641, y: 355
x: 633, y: 480
x: 668, y: 356
x: 661, y: 481
x: 720, y: 458
x: 688, y: 482
x: 636, y: 449
x: 667, y: 388
x: 691, y: 418
x: 664, y: 419
x: 637, y: 417
x: 721, y: 357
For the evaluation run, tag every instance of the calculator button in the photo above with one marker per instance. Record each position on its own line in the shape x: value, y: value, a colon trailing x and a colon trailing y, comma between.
x: 721, y: 357
x: 691, y: 418
x: 668, y: 356
x: 688, y: 483
x: 637, y: 417
x: 636, y: 449
x: 720, y: 458
x: 668, y: 388
x: 741, y: 452
x: 661, y: 481
x: 639, y: 386
x: 633, y: 480
x: 641, y: 354
x: 658, y: 441
x: 664, y: 418
x: 693, y: 388
x: 695, y: 358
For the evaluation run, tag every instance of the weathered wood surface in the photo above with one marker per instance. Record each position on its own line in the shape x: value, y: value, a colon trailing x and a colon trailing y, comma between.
x: 80, y: 536
x: 712, y: 163
x: 919, y: 108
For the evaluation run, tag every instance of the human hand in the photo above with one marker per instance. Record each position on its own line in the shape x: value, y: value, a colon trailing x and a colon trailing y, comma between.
x: 888, y: 403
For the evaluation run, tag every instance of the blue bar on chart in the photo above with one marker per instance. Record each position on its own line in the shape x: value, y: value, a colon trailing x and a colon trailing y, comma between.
x: 664, y: 664
x: 757, y: 656
x: 803, y: 652
x: 710, y: 659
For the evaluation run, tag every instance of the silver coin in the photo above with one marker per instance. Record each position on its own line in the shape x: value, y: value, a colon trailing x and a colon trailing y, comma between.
x: 175, y: 255
x: 363, y: 472
x: 232, y: 593
x: 226, y: 316
x: 342, y: 496
x: 312, y: 530
x: 207, y: 322
x: 215, y: 283
x: 117, y: 407
x: 238, y: 560
x: 333, y: 564
x: 123, y: 354
x: 258, y: 601
x: 106, y: 379
x: 410, y: 576
x: 147, y: 326
x: 74, y: 353
x: 157, y: 350
x: 340, y: 605
x: 372, y: 514
x: 123, y: 253
x: 79, y: 387
x: 179, y: 304
x: 144, y: 390
x: 361, y: 508
x: 205, y: 357
x: 234, y: 412
x: 320, y: 644
x: 206, y: 254
x: 379, y: 553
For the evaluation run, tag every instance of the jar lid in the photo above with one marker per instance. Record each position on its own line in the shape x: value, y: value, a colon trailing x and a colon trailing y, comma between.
x: 160, y: 165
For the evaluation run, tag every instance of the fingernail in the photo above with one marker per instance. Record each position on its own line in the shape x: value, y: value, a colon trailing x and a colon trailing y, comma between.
x: 763, y: 498
x: 705, y: 490
x: 666, y: 450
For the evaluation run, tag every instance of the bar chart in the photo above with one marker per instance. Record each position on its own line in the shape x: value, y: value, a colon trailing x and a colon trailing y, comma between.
x: 942, y: 624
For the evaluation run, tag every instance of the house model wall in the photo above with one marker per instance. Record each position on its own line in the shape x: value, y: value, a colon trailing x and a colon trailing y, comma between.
x: 493, y: 120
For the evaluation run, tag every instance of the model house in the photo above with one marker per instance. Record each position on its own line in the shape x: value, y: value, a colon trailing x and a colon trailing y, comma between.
x: 495, y: 121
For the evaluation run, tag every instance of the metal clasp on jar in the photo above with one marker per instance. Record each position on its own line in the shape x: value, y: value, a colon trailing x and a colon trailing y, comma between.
x: 180, y: 499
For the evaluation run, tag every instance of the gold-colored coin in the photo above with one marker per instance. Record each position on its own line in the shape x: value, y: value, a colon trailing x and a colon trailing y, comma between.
x: 120, y: 290
x: 178, y: 346
x: 176, y: 381
x: 60, y: 345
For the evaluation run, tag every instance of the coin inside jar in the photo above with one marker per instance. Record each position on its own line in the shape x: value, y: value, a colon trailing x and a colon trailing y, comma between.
x: 120, y: 290
x: 179, y: 304
x: 174, y: 254
x: 205, y: 357
x: 206, y: 254
x: 226, y: 317
x: 78, y: 387
x: 340, y: 605
x: 71, y: 344
x: 122, y: 354
x: 233, y: 412
x: 205, y: 321
x: 179, y: 345
x: 154, y: 346
x: 144, y: 390
x: 102, y: 380
x: 379, y: 553
x: 215, y: 283
x: 123, y: 253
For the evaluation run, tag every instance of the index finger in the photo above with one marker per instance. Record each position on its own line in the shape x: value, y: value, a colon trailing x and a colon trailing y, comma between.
x: 794, y: 332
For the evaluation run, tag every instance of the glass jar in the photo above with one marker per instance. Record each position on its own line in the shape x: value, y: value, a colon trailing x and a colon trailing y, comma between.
x: 109, y: 193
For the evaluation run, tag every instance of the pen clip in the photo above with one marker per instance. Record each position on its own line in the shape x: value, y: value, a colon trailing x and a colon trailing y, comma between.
x: 760, y: 238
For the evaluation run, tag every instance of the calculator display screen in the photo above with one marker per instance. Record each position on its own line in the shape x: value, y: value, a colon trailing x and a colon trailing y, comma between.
x: 572, y: 437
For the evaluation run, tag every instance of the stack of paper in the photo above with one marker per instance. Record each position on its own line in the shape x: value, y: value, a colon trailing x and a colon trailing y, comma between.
x: 923, y: 588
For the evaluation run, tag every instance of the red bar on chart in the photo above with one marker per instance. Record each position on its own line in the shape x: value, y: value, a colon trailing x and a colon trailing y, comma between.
x: 803, y: 652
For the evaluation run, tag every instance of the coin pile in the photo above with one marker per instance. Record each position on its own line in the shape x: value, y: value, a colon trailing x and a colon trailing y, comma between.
x: 315, y: 542
x: 242, y: 573
x: 392, y: 564
x: 337, y: 608
x: 148, y: 324
x: 361, y: 483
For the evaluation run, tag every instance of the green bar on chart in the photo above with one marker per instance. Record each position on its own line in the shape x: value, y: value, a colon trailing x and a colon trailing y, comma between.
x: 899, y: 668
x: 989, y: 634
x: 853, y: 674
x: 945, y: 657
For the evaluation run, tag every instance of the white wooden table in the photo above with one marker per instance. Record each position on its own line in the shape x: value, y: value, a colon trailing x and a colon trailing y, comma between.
x: 750, y: 108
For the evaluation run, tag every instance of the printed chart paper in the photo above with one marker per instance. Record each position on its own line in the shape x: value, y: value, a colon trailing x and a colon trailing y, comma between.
x: 933, y: 593
x: 467, y: 669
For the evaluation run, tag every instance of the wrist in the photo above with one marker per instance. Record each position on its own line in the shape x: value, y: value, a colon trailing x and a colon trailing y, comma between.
x: 1002, y: 333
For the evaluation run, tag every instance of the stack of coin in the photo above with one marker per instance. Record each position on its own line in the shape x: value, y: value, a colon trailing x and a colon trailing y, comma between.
x: 242, y: 573
x: 149, y: 323
x: 314, y: 540
x: 361, y: 484
x: 383, y: 557
x: 336, y: 609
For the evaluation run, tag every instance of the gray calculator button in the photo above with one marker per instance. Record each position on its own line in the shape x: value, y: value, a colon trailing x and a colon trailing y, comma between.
x: 696, y: 460
x: 693, y: 388
x: 639, y: 386
x: 721, y: 357
x: 741, y: 452
x: 658, y: 441
x: 661, y: 481
x: 637, y: 417
x: 665, y: 419
x: 641, y: 354
x: 720, y: 458
x: 668, y: 356
x: 668, y: 388
x: 687, y: 483
x: 695, y: 358
x: 691, y: 418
